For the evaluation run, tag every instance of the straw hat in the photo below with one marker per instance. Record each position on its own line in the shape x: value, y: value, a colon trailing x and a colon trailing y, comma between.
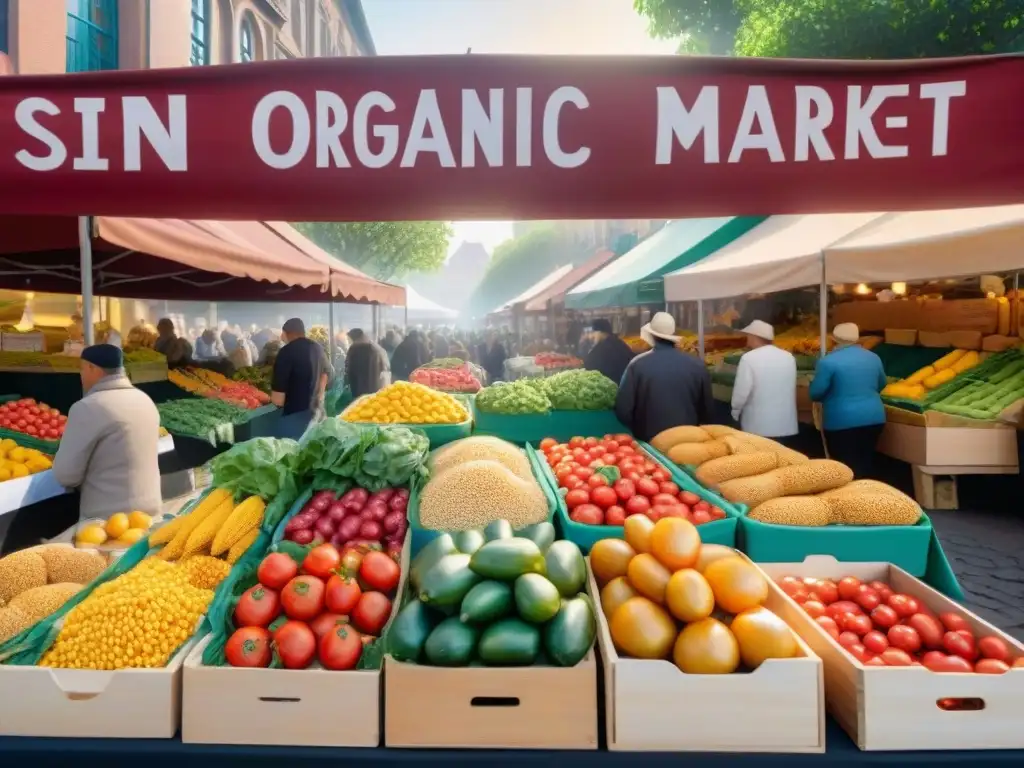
x: 662, y: 326
x: 761, y: 330
x: 846, y: 333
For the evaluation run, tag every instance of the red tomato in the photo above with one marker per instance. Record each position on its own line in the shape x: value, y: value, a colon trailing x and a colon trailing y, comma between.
x: 669, y: 487
x: 371, y: 613
x: 857, y: 622
x: 953, y: 622
x: 838, y: 608
x: 929, y: 630
x: 658, y: 475
x: 340, y: 648
x: 622, y: 438
x: 689, y: 498
x: 814, y: 609
x: 994, y: 648
x: 884, y: 590
x: 248, y: 647
x: 894, y: 657
x: 905, y: 638
x: 875, y: 641
x: 572, y: 482
x: 587, y: 514
x: 562, y: 472
x: 610, y: 446
x: 576, y: 442
x: 325, y: 622
x: 590, y: 442
x: 303, y: 598
x: 717, y: 513
x: 597, y: 451
x: 638, y: 505
x: 846, y: 639
x: 614, y: 515
x: 596, y: 481
x: 829, y: 625
x: 380, y: 572
x: 576, y: 497
x: 257, y: 607
x: 699, y: 517
x: 883, y: 616
x: 859, y: 652
x: 941, y: 663
x: 867, y: 598
x: 647, y: 487
x: 342, y: 593
x: 584, y: 458
x: 991, y: 667
x: 583, y: 473
x: 826, y: 591
x: 604, y: 497
x: 633, y: 476
x: 663, y: 498
x: 904, y: 605
x: 296, y: 644
x: 958, y: 645
x: 547, y: 444
x: 849, y: 588
x: 321, y: 561
x: 874, y: 661
x: 624, y: 489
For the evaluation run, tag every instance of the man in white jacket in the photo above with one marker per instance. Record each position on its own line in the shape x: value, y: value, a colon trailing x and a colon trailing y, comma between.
x: 764, y: 395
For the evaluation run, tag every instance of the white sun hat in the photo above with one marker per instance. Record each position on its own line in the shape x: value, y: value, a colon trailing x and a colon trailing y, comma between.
x: 846, y: 333
x: 761, y: 330
x: 662, y: 326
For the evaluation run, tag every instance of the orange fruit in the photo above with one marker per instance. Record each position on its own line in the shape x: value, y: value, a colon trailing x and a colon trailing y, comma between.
x: 642, y: 629
x: 762, y: 635
x: 706, y: 647
x: 648, y: 577
x: 610, y: 558
x: 689, y: 596
x: 709, y: 553
x: 615, y: 593
x: 675, y: 542
x: 638, y: 530
x: 738, y: 585
x: 117, y: 525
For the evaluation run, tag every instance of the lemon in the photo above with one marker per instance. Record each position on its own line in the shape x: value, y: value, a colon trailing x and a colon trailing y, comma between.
x: 140, y: 520
x: 17, y: 454
x: 90, y: 535
x: 130, y: 536
x: 18, y: 470
x: 117, y: 525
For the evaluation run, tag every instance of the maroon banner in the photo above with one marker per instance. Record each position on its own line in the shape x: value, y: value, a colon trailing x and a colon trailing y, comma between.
x: 501, y: 137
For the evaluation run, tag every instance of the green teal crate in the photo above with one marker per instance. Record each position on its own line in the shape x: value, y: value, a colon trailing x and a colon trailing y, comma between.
x: 439, y: 434
x: 585, y: 536
x: 516, y: 428
x: 568, y: 424
x: 422, y: 536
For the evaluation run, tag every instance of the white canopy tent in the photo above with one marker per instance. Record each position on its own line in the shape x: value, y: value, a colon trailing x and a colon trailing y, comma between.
x: 419, y: 307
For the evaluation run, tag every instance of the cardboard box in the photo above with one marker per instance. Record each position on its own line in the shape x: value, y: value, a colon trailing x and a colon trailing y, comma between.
x: 950, y: 446
x: 896, y: 708
x: 653, y: 706
x: 31, y: 341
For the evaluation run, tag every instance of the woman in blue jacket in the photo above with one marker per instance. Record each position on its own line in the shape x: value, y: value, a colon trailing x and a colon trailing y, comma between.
x: 848, y: 382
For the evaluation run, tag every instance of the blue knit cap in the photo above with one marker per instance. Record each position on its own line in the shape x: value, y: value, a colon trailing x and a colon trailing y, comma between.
x: 105, y: 356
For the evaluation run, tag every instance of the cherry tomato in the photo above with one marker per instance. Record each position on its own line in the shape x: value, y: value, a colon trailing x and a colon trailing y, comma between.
x: 610, y: 446
x: 576, y: 442
x: 857, y: 622
x: 846, y: 639
x: 814, y: 609
x: 576, y: 497
x: 604, y: 497
x: 584, y: 458
x: 296, y: 644
x: 849, y: 586
x: 325, y: 622
x: 994, y: 648
x: 248, y: 647
x: 583, y: 473
x: 826, y: 591
x: 587, y: 514
x: 875, y: 641
x: 894, y: 657
x: 647, y: 487
x: 991, y: 667
x: 829, y: 625
x: 904, y: 605
x: 342, y: 593
x: 953, y: 622
x: 929, y: 630
x: 859, y: 652
x: 572, y: 482
x: 596, y: 481
x: 958, y: 645
x: 303, y: 598
x: 658, y: 475
x: 562, y: 472
x: 547, y: 444
x: 884, y: 590
x: 590, y: 442
x: 874, y: 661
x: 340, y: 648
x: 371, y: 613
x: 905, y: 638
x: 638, y: 505
x: 321, y: 561
x: 624, y: 489
x: 867, y: 598
x: 669, y: 487
x: 883, y: 616
x: 614, y: 515
x: 699, y: 517
x: 276, y: 570
x: 838, y: 608
x: 257, y: 607
x: 941, y: 663
x: 689, y: 498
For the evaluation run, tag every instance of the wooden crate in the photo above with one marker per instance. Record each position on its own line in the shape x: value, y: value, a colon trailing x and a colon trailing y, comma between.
x: 653, y: 706
x: 897, y: 708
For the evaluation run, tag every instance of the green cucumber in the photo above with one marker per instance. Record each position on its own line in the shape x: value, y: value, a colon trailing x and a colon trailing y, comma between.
x: 487, y: 601
x: 509, y: 643
x: 569, y: 635
x: 468, y: 542
x: 498, y: 529
x: 409, y: 631
x: 507, y: 559
x: 448, y: 581
x: 541, y: 534
x: 427, y: 558
x: 537, y: 599
x: 451, y: 644
x: 565, y: 567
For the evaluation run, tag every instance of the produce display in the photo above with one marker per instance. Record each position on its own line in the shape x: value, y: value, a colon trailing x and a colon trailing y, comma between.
x: 120, y: 530
x: 780, y: 486
x: 318, y: 614
x: 459, y: 379
x: 214, y: 527
x: 579, y: 390
x: 143, y: 355
x: 496, y: 597
x: 667, y: 596
x: 13, y: 359
x: 555, y: 361
x: 356, y: 517
x: 407, y: 403
x: 34, y: 419
x: 603, y: 481
x: 36, y: 582
x: 933, y: 376
x: 883, y: 628
x: 205, y: 383
x: 989, y: 394
x: 259, y: 376
x: 476, y: 481
x: 16, y: 461
x: 522, y: 396
x: 199, y: 418
x: 141, y: 336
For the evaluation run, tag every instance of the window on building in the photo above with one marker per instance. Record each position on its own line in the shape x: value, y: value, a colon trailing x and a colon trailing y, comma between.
x: 325, y: 36
x: 246, y: 39
x: 298, y: 34
x: 91, y: 35
x: 200, y: 33
x: 4, y: 46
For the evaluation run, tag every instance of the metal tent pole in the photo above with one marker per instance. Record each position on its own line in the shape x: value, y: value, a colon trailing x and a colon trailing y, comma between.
x: 823, y: 310
x: 331, y: 344
x: 85, y: 252
x: 700, y: 327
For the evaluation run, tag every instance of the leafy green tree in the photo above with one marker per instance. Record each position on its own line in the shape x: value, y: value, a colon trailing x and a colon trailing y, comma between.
x: 386, y: 250
x: 702, y: 26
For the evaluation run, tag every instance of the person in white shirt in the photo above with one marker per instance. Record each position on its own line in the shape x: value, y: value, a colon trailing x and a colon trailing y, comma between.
x: 764, y: 395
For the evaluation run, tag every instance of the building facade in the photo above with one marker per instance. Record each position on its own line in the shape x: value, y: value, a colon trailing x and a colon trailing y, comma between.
x: 50, y: 36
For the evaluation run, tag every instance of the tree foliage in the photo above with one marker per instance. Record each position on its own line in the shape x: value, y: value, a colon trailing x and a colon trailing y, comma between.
x: 386, y: 250
x: 839, y: 29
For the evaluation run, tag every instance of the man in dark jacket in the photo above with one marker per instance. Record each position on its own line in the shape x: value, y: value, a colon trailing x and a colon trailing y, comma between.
x: 610, y: 355
x: 409, y: 355
x: 364, y: 364
x: 663, y: 388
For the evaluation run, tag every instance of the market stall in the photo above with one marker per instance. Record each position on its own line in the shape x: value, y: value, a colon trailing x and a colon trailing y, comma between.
x: 548, y: 306
x: 420, y: 309
x: 511, y: 312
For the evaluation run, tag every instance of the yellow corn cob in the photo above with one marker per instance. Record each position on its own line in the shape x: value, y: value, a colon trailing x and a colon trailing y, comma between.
x: 947, y: 361
x: 918, y: 376
x: 940, y: 378
x: 245, y: 517
x: 203, y: 509
x: 905, y: 391
x: 241, y: 546
x: 201, y: 538
x: 165, y: 533
x: 966, y: 362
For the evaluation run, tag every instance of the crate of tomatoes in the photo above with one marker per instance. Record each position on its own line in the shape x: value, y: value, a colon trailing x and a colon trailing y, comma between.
x: 600, y: 481
x: 906, y: 668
